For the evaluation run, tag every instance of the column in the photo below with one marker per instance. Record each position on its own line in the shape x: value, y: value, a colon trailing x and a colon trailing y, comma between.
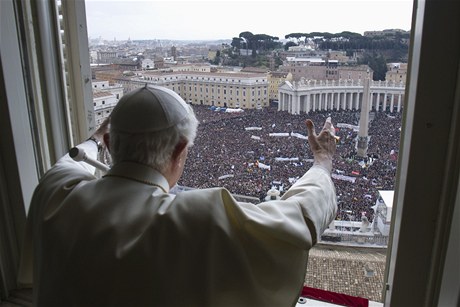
x: 378, y: 101
x: 284, y: 105
x: 392, y: 102
x: 337, y: 103
x: 332, y: 102
x: 301, y: 104
x: 336, y: 100
x: 399, y: 102
x: 385, y: 102
x: 320, y: 101
x: 357, y: 100
x: 323, y: 101
x: 308, y: 107
x: 314, y: 102
x: 326, y: 101
x: 285, y: 102
x: 296, y: 103
x: 350, y: 101
x: 341, y: 100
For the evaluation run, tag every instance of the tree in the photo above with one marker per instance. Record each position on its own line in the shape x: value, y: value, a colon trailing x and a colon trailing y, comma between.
x: 249, y: 37
x: 264, y: 42
x: 236, y: 43
x: 297, y: 36
x: 289, y: 44
x: 377, y: 63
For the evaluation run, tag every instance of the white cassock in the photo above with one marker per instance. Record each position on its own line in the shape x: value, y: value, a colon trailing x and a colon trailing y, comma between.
x: 123, y: 240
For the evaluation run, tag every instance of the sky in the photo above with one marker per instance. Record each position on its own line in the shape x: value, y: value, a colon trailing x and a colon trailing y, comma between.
x: 220, y: 19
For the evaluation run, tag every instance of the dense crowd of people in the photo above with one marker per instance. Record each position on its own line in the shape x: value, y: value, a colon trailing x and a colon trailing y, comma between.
x: 256, y: 150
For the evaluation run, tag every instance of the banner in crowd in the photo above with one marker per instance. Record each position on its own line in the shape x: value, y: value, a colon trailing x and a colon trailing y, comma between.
x: 343, y: 125
x: 278, y: 134
x: 344, y: 177
x: 298, y: 135
x: 230, y: 110
x: 225, y: 176
x: 263, y: 166
x: 281, y: 159
x: 255, y: 137
x: 252, y: 128
x: 287, y: 134
x: 260, y: 165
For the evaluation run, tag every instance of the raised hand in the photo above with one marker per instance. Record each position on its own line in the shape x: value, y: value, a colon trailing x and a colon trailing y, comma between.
x: 323, y: 145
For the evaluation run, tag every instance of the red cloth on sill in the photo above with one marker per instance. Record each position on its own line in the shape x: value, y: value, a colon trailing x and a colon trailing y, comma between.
x: 334, y: 297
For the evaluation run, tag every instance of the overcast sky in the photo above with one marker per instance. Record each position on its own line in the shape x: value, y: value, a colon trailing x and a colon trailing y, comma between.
x: 220, y: 19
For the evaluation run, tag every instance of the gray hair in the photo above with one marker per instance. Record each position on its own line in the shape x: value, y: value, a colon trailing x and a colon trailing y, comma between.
x: 153, y: 148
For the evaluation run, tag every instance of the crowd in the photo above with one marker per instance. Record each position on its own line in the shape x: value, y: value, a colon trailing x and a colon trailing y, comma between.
x: 236, y: 151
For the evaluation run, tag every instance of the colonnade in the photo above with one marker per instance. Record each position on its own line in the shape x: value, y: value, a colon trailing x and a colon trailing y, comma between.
x: 306, y: 98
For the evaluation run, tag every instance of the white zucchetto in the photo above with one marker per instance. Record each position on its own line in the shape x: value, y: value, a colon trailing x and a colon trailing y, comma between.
x: 148, y: 109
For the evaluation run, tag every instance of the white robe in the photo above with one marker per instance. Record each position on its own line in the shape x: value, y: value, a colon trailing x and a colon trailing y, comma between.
x: 122, y: 241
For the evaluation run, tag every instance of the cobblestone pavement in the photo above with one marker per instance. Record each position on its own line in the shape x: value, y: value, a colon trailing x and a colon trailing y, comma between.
x: 353, y: 271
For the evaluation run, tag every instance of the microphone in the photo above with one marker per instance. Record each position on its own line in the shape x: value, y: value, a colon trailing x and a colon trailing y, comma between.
x: 79, y: 154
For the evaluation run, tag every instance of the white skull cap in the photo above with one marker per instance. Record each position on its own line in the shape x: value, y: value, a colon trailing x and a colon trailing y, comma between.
x: 148, y: 109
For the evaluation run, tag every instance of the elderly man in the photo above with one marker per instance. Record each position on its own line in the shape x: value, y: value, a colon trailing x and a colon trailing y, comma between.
x: 124, y: 240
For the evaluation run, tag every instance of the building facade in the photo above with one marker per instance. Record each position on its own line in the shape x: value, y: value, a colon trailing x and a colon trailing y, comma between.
x: 275, y: 79
x: 197, y: 67
x: 320, y: 69
x: 397, y: 72
x: 223, y: 89
x: 106, y: 57
x: 105, y: 98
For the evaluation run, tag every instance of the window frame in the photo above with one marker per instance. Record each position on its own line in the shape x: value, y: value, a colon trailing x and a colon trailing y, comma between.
x: 35, y: 117
x: 428, y: 170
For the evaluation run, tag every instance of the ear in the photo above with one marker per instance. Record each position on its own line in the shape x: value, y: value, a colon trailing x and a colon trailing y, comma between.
x: 179, y: 149
x: 106, y: 139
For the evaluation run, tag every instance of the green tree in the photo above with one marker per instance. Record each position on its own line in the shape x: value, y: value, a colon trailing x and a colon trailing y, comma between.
x: 249, y: 39
x: 377, y: 63
x: 289, y: 44
x: 236, y: 43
